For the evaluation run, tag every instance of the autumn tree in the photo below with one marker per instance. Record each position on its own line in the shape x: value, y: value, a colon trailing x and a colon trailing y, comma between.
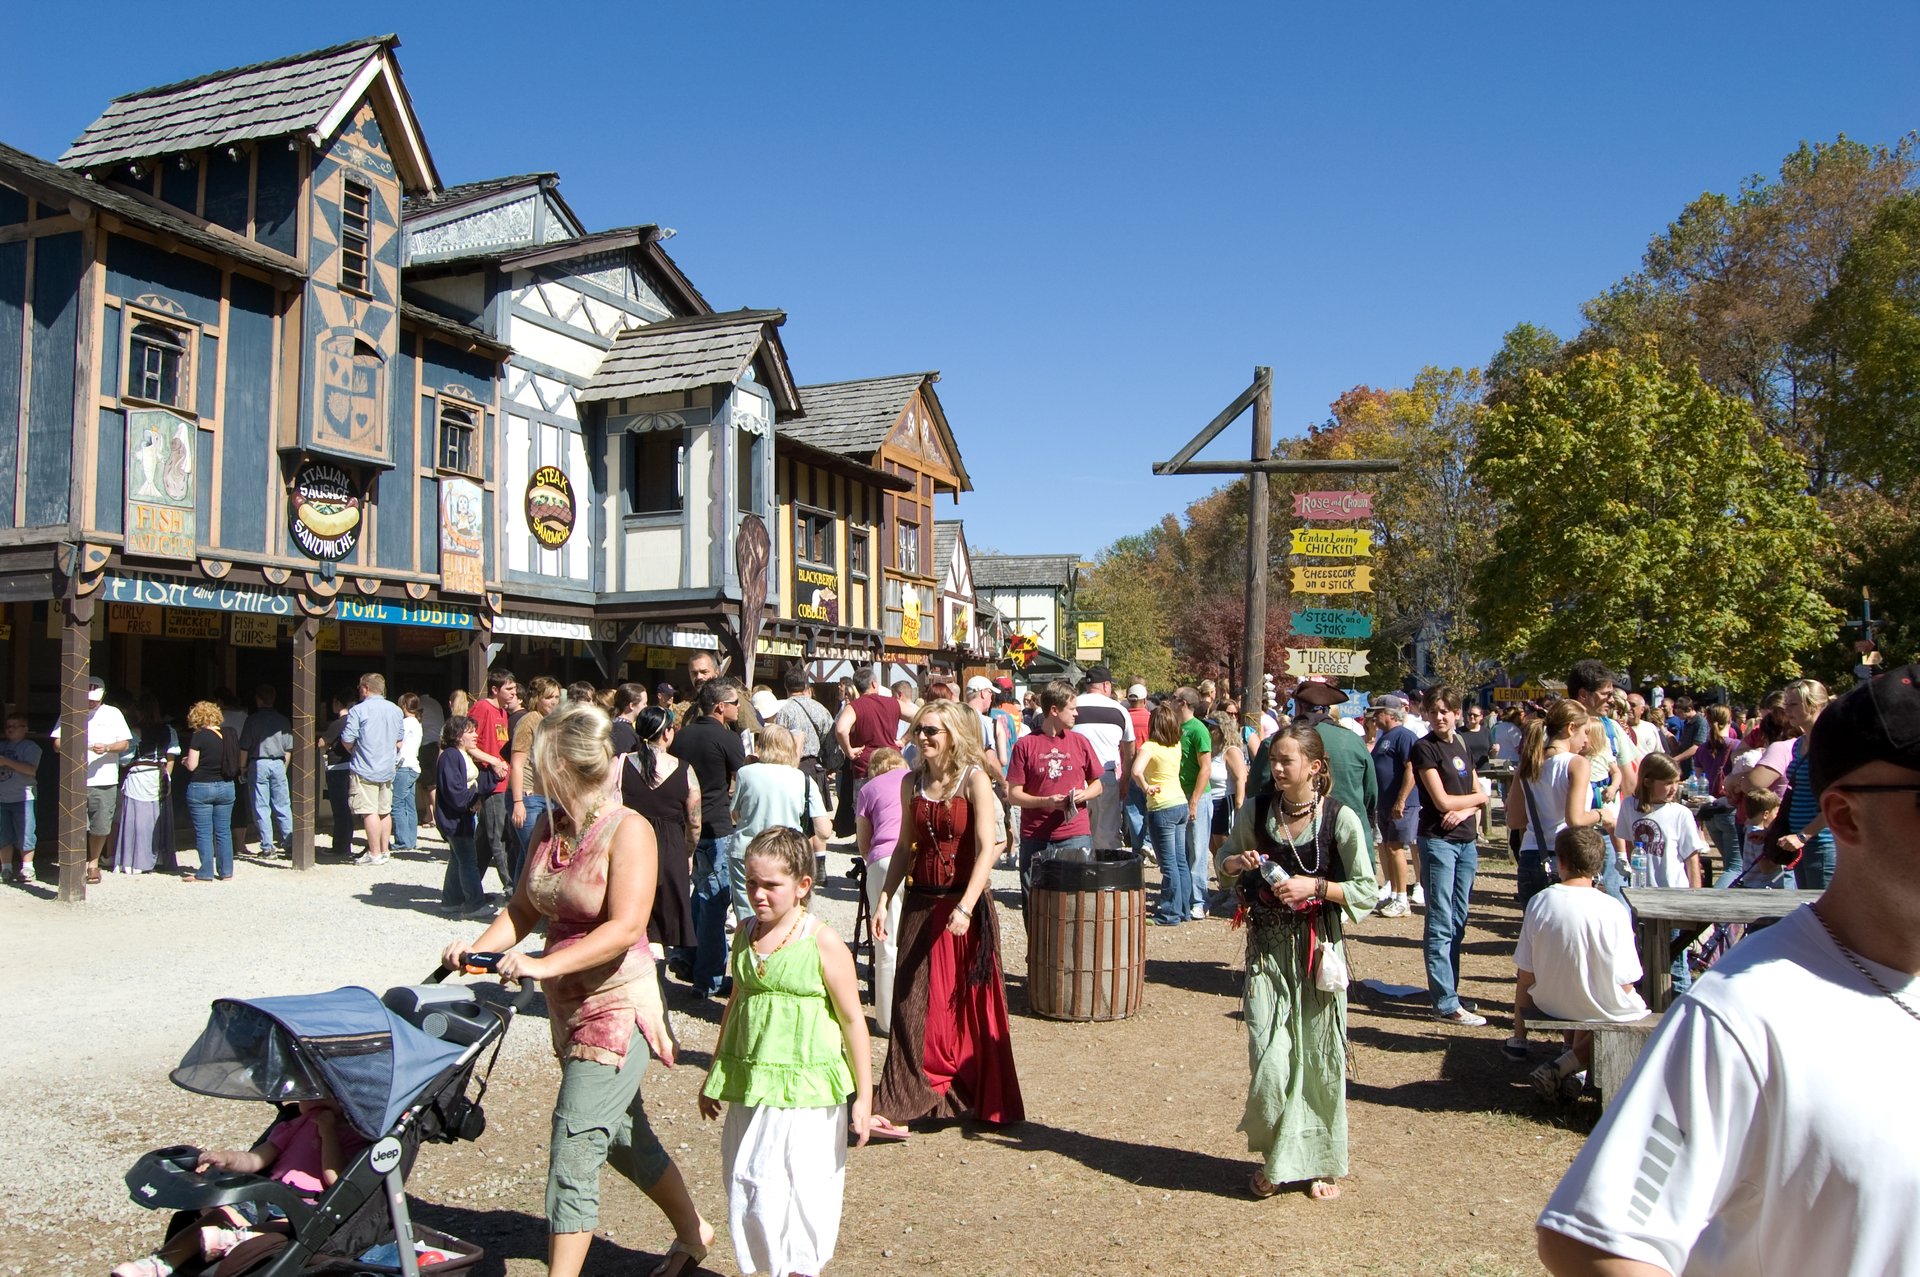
x: 1645, y: 518
x: 1127, y: 589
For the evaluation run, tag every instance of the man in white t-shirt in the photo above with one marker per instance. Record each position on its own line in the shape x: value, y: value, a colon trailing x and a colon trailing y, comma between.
x: 108, y: 737
x: 1108, y: 727
x: 1766, y: 1127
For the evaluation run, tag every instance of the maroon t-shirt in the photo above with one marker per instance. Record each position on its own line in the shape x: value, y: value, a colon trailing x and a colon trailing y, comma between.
x: 876, y: 722
x: 1044, y: 765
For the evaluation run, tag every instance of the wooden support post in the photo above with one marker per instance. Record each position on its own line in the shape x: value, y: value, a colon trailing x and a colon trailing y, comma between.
x: 303, y: 763
x: 477, y: 662
x: 1253, y: 652
x: 76, y: 642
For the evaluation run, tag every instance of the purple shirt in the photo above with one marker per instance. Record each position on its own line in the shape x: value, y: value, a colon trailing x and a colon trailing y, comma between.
x: 879, y: 802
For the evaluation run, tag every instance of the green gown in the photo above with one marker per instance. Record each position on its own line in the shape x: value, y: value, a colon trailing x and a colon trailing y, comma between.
x: 1296, y: 1115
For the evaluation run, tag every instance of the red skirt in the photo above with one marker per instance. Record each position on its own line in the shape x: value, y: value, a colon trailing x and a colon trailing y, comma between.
x: 952, y: 1051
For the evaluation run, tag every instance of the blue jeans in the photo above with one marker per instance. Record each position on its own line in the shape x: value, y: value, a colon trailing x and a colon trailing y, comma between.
x: 344, y: 820
x: 1133, y: 818
x: 16, y: 825
x: 535, y: 806
x: 1531, y: 874
x: 1032, y: 849
x: 210, y: 806
x: 1721, y: 830
x: 272, y: 803
x: 711, y: 894
x: 461, y: 888
x: 1169, y: 827
x: 1815, y: 869
x: 1199, y: 854
x: 1447, y: 870
x: 406, y: 809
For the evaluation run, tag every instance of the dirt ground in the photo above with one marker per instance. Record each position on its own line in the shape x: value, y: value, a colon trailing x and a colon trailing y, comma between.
x: 1128, y: 1161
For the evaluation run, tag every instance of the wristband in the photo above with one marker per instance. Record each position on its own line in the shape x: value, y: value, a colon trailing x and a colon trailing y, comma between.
x: 963, y: 911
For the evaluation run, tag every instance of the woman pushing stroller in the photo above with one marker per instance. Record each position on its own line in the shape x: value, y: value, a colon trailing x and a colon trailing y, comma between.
x: 306, y: 1153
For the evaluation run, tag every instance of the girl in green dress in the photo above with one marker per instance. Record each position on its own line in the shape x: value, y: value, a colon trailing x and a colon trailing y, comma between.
x: 793, y: 1047
x: 1301, y: 858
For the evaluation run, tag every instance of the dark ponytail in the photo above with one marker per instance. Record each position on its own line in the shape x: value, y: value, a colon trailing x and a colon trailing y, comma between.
x: 649, y: 725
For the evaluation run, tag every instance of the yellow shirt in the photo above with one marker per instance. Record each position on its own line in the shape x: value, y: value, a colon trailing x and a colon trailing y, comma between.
x: 1163, y: 769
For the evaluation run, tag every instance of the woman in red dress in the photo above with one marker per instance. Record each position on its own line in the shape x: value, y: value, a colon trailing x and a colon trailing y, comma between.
x: 951, y: 1050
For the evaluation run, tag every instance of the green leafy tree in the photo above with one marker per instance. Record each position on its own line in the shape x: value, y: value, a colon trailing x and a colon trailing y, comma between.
x: 1126, y: 589
x: 1645, y: 518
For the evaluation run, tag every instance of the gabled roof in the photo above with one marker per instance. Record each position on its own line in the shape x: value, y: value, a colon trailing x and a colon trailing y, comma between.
x: 59, y: 188
x: 463, y: 336
x: 855, y: 417
x: 308, y: 94
x: 1023, y: 571
x: 786, y: 445
x: 469, y: 192
x: 642, y: 239
x: 686, y: 354
x: 946, y: 535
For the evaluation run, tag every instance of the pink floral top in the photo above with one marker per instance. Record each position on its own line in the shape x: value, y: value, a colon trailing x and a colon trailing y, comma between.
x: 593, y: 1012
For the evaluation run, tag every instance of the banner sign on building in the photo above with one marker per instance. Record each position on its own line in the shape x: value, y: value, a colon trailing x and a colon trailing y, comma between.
x: 160, y: 520
x: 549, y: 507
x: 543, y: 627
x: 437, y: 616
x: 816, y: 595
x: 135, y: 618
x: 1337, y: 662
x: 253, y: 631
x: 1333, y: 507
x: 1333, y: 579
x: 1327, y: 622
x: 1333, y: 542
x: 172, y: 592
x: 462, y: 537
x: 1090, y: 636
x: 323, y: 510
x: 189, y: 624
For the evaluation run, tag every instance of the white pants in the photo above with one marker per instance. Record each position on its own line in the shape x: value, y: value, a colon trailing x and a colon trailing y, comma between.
x: 786, y: 1173
x: 887, y: 952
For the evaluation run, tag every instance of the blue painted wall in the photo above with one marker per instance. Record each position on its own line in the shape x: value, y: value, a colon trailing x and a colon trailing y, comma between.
x: 249, y: 468
x: 134, y: 268
x: 204, y: 388
x: 13, y: 312
x: 277, y: 198
x: 429, y: 528
x: 180, y: 187
x: 56, y: 312
x: 13, y: 207
x: 227, y: 185
x: 110, y: 487
x: 445, y: 366
x: 203, y: 490
x: 394, y: 489
x: 110, y: 350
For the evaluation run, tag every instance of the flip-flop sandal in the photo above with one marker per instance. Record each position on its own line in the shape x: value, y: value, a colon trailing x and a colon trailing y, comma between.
x: 1310, y: 1187
x: 670, y: 1265
x: 886, y: 1131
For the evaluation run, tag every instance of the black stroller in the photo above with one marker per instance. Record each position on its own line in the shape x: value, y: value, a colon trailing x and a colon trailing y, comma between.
x: 400, y: 1070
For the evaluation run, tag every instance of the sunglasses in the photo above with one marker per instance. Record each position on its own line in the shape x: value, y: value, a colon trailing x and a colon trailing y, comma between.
x: 928, y: 729
x: 1882, y: 789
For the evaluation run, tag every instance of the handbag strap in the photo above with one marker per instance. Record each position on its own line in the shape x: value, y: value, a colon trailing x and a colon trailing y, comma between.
x: 1533, y: 815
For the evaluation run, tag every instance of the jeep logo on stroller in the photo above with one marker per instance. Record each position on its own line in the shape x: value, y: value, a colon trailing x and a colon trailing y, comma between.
x: 385, y: 1155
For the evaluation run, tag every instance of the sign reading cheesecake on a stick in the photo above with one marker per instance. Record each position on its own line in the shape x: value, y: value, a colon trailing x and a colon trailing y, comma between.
x: 1333, y: 578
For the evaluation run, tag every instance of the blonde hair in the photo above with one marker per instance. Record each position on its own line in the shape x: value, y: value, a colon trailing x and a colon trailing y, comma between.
x: 539, y: 689
x: 775, y: 744
x: 884, y: 760
x: 963, y: 733
x: 1617, y: 701
x: 1563, y: 719
x: 573, y: 757
x: 204, y: 714
x: 787, y: 848
x: 1761, y: 801
x: 1811, y: 691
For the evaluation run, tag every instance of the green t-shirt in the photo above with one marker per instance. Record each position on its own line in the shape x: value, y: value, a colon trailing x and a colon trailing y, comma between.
x: 1195, y: 740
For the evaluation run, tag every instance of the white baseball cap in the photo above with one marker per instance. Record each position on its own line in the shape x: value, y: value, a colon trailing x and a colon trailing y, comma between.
x: 1138, y: 692
x: 979, y: 684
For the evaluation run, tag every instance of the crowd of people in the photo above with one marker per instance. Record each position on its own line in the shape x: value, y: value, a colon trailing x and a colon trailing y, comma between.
x: 648, y: 834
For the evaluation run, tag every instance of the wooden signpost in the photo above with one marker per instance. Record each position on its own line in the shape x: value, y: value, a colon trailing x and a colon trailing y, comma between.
x: 1259, y: 396
x: 1327, y: 622
x: 1333, y: 662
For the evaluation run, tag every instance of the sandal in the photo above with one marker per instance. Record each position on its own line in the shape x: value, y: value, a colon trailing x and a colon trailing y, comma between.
x: 1321, y: 1190
x: 93, y: 875
x: 886, y: 1130
x: 1260, y: 1187
x: 670, y: 1265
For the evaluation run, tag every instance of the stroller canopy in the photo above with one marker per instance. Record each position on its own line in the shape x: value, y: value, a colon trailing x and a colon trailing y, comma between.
x: 345, y: 1045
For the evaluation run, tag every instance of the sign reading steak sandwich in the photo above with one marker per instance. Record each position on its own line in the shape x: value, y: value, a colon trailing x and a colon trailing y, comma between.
x: 550, y: 507
x: 324, y: 510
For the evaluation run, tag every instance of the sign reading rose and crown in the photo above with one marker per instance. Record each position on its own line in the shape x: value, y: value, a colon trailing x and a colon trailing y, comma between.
x: 550, y: 510
x: 324, y: 511
x: 1333, y: 506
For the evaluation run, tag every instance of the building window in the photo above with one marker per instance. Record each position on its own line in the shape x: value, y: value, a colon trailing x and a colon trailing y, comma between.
x: 813, y: 539
x: 356, y: 236
x: 459, y: 438
x: 655, y: 483
x: 160, y: 363
x: 859, y: 548
x: 906, y: 548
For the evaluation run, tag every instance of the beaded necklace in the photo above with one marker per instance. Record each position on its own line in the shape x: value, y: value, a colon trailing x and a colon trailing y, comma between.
x: 793, y: 929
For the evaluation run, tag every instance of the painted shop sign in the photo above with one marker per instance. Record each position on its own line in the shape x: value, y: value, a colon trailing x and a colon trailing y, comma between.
x: 324, y: 510
x: 462, y: 533
x: 160, y: 519
x: 363, y: 640
x: 1305, y: 662
x: 194, y: 625
x: 1333, y: 542
x: 1333, y: 579
x: 169, y: 592
x: 434, y: 615
x: 543, y: 627
x: 253, y: 631
x: 549, y: 507
x: 1327, y: 622
x: 780, y: 647
x: 816, y: 595
x: 135, y: 618
x: 1332, y: 507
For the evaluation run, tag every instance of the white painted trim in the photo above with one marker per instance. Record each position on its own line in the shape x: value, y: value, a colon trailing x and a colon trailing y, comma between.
x: 379, y: 67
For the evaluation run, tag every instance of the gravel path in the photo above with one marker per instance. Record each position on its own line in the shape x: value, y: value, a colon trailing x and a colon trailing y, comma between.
x: 125, y: 988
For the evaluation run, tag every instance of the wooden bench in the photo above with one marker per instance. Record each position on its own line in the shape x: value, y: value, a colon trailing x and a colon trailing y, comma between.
x: 1659, y: 911
x: 1616, y: 1045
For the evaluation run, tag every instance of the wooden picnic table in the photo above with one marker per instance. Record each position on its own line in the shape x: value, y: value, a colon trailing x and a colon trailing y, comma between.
x: 1658, y: 911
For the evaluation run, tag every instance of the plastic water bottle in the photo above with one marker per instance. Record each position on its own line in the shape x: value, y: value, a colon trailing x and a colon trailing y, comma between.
x: 1641, y: 864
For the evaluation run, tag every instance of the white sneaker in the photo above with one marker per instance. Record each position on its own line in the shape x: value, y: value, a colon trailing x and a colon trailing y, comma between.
x: 1462, y: 1017
x: 1197, y: 913
x: 1417, y: 896
x: 1394, y: 907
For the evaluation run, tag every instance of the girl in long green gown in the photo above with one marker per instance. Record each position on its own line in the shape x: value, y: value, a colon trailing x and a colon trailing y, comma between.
x: 1296, y: 1116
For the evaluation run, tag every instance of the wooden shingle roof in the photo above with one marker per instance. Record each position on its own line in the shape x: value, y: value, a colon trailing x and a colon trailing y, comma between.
x: 1023, y: 571
x: 306, y: 94
x: 946, y: 535
x: 687, y: 354
x: 855, y: 416
x: 468, y: 192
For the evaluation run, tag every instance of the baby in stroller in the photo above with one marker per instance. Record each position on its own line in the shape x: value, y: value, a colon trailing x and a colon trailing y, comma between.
x: 306, y: 1152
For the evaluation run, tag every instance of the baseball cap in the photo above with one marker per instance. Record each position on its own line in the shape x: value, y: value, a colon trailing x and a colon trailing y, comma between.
x: 663, y: 693
x: 978, y: 684
x: 96, y: 689
x: 1877, y: 722
x: 1138, y: 692
x: 1004, y: 683
x: 1099, y: 674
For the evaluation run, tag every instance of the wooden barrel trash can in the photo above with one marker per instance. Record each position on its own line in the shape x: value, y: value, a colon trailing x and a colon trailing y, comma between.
x: 1087, y: 935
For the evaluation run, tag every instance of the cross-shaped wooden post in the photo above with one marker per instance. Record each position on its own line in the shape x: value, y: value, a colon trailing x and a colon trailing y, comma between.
x: 1262, y: 462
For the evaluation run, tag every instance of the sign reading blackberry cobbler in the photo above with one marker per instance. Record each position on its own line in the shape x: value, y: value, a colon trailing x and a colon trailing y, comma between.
x: 549, y: 507
x: 324, y: 510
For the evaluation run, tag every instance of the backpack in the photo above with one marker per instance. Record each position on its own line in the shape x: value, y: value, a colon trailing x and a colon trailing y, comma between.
x: 832, y: 757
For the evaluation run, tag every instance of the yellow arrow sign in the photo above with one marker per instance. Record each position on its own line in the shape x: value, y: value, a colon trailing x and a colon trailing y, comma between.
x: 1305, y: 662
x: 1333, y: 579
x: 1333, y: 542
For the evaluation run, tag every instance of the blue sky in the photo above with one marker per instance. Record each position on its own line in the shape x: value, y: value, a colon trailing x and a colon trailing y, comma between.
x: 1093, y: 219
